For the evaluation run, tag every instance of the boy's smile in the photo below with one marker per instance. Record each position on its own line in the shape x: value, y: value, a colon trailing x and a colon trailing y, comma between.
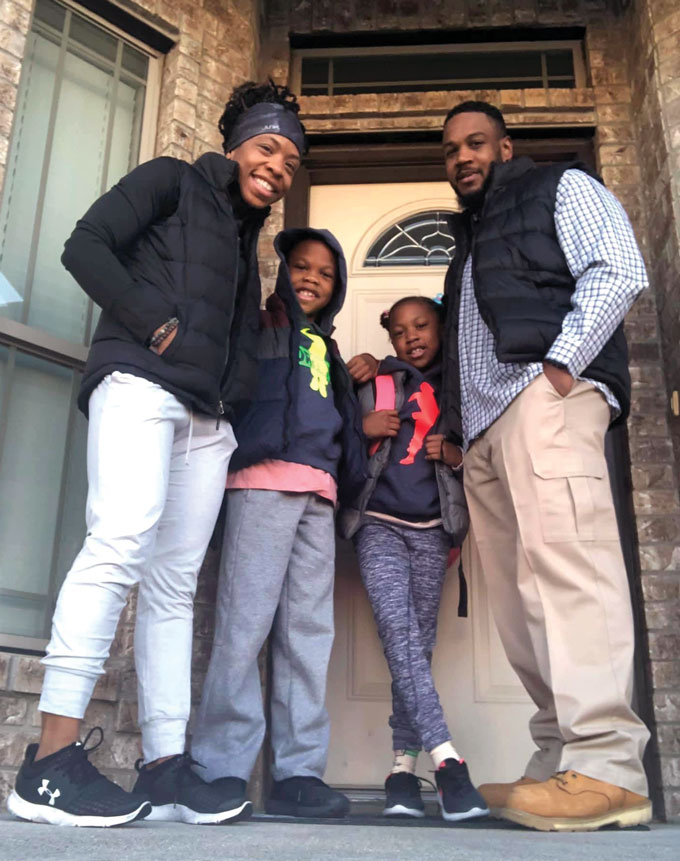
x: 312, y: 268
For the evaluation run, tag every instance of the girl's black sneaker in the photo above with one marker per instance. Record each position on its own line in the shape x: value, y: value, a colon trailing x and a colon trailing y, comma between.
x: 402, y: 791
x: 178, y: 794
x: 66, y: 789
x: 458, y: 798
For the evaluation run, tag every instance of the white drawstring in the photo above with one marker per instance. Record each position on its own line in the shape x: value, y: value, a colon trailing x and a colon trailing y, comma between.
x: 191, y: 433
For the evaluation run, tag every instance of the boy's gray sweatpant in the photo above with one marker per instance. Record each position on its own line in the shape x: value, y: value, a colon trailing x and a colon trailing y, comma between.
x: 276, y: 573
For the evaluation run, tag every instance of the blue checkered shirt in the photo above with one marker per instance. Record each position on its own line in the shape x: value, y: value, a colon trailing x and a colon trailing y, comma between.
x: 602, y: 255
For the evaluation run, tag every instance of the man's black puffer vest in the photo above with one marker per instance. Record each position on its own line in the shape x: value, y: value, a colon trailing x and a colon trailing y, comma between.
x: 522, y: 282
x: 165, y: 242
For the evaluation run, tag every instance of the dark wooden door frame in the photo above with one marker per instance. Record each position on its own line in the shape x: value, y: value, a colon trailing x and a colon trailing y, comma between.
x: 358, y: 163
x: 382, y: 160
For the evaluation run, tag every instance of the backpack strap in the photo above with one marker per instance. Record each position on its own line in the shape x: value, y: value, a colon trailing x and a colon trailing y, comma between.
x: 385, y: 399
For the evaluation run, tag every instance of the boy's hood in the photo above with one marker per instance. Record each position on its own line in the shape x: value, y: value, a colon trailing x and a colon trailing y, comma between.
x: 282, y: 245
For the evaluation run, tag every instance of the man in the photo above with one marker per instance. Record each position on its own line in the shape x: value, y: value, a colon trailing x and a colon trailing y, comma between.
x: 546, y: 267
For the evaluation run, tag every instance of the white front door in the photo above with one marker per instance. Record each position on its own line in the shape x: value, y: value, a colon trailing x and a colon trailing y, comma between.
x: 485, y: 705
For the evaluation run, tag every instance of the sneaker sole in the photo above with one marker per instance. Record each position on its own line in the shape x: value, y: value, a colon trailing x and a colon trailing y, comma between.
x: 402, y: 810
x: 47, y: 815
x: 641, y: 814
x: 472, y: 813
x: 182, y: 813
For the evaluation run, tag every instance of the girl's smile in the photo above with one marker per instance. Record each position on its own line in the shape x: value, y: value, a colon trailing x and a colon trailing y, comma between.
x: 415, y: 333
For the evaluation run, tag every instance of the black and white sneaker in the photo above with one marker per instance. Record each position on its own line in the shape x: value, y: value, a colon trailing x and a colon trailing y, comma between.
x: 178, y: 794
x: 306, y: 797
x: 402, y: 791
x: 458, y: 798
x: 66, y: 789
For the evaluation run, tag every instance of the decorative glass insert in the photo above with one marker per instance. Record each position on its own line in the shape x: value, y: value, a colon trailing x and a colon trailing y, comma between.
x: 419, y: 240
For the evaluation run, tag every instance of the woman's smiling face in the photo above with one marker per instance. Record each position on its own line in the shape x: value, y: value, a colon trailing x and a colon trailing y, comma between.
x: 267, y: 165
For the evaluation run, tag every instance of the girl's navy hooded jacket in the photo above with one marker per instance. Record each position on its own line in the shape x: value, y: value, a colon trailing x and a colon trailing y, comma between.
x: 303, y: 410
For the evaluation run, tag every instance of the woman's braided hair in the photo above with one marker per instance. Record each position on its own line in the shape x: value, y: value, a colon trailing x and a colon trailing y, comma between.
x: 249, y: 94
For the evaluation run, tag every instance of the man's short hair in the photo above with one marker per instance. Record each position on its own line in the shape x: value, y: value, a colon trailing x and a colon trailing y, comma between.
x: 479, y: 108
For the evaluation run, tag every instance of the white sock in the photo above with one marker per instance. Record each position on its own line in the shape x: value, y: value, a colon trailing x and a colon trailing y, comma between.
x: 404, y: 760
x: 442, y: 752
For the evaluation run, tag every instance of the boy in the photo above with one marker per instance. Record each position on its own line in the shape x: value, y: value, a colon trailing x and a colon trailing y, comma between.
x: 300, y: 446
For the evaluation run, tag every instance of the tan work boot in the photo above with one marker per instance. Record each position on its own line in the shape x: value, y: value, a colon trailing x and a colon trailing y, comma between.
x: 496, y: 794
x: 569, y: 801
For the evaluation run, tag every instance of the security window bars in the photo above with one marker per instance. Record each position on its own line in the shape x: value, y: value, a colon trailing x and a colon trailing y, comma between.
x: 511, y: 65
x: 420, y: 240
x: 85, y: 98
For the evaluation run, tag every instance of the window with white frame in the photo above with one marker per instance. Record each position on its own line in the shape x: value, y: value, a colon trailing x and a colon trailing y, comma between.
x: 84, y: 117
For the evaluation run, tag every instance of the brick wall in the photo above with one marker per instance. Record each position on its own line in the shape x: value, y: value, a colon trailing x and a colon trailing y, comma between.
x: 654, y: 59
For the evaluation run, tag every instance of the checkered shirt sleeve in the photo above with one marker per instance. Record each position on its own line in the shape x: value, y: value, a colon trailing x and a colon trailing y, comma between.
x: 600, y: 249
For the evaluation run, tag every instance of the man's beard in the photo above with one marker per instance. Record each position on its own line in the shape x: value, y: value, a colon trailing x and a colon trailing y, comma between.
x: 474, y: 201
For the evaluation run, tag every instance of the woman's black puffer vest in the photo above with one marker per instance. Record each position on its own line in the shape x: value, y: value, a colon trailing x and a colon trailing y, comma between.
x: 165, y: 242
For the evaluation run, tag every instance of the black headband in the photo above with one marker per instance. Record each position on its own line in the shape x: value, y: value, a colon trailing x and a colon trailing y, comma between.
x: 267, y: 118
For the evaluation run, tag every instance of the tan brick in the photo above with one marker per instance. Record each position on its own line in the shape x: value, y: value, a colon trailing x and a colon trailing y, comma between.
x: 12, y: 42
x: 4, y: 670
x: 13, y: 710
x: 13, y: 745
x: 628, y: 175
x: 127, y: 719
x: 561, y: 98
x: 612, y: 95
x: 15, y: 16
x: 121, y: 751
x: 622, y: 154
x: 7, y: 779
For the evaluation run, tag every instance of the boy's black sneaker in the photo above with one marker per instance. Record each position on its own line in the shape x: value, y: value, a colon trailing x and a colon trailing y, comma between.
x: 403, y: 796
x: 306, y: 797
x: 178, y: 794
x: 64, y: 788
x: 458, y: 798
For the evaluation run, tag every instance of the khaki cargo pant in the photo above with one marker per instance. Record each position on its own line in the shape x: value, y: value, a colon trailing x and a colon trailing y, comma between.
x: 544, y: 533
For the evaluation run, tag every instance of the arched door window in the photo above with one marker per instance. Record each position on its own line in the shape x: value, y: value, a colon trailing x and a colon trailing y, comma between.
x: 424, y: 239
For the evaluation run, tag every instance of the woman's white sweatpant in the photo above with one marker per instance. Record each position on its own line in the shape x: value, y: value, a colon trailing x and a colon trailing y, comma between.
x: 156, y: 477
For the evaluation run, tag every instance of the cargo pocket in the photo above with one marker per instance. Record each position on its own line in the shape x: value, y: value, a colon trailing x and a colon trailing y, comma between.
x: 574, y: 498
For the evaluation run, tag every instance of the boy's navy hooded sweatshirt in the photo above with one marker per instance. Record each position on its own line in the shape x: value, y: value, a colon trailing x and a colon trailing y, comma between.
x: 407, y: 487
x: 304, y: 409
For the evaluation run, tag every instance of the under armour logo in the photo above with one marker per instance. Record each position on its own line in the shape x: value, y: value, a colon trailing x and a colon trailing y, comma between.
x: 44, y: 789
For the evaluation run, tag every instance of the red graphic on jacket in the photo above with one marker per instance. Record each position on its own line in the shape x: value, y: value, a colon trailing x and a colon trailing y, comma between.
x: 425, y: 420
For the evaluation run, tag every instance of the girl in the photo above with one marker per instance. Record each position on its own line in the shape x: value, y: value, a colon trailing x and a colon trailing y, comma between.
x: 170, y: 255
x: 410, y: 511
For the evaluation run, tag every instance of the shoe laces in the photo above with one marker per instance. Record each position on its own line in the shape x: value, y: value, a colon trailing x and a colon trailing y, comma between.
x: 403, y: 777
x: 77, y: 765
x: 561, y: 777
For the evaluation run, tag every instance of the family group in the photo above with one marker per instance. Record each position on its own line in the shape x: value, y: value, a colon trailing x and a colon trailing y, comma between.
x: 486, y: 424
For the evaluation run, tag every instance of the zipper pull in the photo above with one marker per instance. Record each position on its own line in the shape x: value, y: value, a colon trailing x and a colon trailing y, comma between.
x: 220, y: 413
